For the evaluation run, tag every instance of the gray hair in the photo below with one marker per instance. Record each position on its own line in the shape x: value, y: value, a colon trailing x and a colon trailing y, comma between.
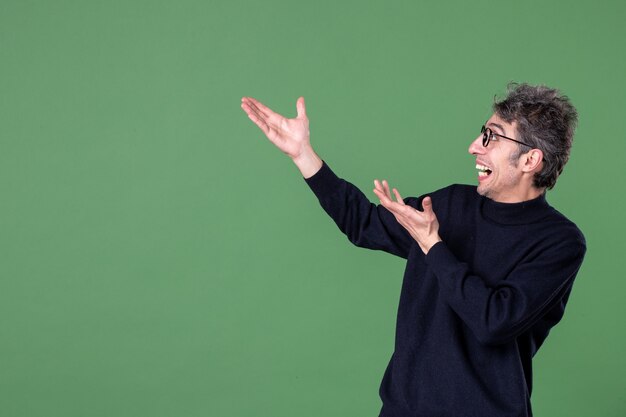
x: 546, y: 119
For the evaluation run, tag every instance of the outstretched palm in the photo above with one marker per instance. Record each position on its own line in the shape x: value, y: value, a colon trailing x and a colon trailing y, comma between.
x: 289, y: 135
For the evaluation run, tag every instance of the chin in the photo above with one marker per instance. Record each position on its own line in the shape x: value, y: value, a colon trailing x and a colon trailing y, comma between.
x: 484, y: 191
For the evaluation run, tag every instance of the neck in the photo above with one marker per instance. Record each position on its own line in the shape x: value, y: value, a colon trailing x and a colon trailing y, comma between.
x: 521, y: 212
x: 521, y: 195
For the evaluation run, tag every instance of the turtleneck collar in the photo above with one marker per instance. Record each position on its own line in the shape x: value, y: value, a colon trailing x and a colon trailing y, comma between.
x: 525, y: 212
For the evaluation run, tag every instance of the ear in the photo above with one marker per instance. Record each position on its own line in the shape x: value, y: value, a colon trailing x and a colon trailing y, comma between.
x: 532, y: 160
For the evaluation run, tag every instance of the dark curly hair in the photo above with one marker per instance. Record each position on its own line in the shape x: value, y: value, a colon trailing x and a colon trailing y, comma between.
x: 546, y: 119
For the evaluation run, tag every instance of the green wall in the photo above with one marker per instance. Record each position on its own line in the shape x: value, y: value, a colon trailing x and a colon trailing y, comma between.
x: 158, y: 257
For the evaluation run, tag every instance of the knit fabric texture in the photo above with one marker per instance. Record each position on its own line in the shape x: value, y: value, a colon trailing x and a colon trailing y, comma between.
x: 475, y: 310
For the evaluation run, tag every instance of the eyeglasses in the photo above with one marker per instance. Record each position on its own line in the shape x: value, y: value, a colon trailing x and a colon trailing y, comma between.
x: 488, y: 135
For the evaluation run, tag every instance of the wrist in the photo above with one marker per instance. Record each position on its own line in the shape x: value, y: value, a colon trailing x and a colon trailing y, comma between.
x: 308, y: 162
x: 427, y: 246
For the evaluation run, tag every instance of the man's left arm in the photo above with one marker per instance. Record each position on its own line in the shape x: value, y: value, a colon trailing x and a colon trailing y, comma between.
x: 423, y: 226
x: 495, y: 314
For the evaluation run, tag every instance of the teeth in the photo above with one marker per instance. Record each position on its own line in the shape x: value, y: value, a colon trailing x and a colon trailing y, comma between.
x: 481, y: 167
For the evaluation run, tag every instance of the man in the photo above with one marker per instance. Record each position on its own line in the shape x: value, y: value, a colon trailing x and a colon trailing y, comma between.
x: 489, y: 268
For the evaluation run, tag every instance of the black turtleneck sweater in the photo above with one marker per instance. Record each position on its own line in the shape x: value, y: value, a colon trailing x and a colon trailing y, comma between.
x: 477, y: 307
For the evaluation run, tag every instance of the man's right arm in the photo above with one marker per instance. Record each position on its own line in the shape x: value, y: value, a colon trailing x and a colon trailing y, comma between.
x: 365, y: 224
x: 309, y: 163
x: 291, y: 136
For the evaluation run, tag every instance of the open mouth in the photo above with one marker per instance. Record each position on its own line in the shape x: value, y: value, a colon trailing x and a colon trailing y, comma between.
x: 483, y: 171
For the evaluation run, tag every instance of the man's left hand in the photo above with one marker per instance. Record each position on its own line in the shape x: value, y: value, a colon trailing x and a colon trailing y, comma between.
x: 423, y: 226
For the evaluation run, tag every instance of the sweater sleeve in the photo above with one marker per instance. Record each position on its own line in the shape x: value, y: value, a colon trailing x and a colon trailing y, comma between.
x: 365, y: 224
x: 499, y: 314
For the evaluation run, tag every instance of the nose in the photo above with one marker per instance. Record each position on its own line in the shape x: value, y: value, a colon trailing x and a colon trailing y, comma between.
x: 476, y: 147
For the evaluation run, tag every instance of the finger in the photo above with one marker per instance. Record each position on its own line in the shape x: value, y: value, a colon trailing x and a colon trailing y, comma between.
x: 380, y: 187
x: 384, y: 200
x: 262, y: 124
x: 398, y: 197
x: 301, y: 108
x: 250, y: 109
x: 386, y: 185
x: 427, y: 205
x: 379, y: 192
x: 264, y: 111
x: 253, y: 107
x: 387, y: 202
x: 256, y: 103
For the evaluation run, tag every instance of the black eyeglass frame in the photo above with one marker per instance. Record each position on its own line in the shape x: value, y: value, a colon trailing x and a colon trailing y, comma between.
x: 487, y: 137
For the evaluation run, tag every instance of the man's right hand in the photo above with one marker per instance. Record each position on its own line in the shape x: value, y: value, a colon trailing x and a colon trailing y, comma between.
x: 289, y: 135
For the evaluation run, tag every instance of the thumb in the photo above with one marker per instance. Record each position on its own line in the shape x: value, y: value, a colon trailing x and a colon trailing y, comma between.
x: 427, y: 205
x: 301, y: 108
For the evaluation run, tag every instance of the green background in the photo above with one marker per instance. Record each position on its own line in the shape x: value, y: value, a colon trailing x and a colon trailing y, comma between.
x: 160, y: 258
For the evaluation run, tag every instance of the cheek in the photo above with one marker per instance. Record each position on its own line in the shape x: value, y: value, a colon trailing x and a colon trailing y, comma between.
x: 511, y: 174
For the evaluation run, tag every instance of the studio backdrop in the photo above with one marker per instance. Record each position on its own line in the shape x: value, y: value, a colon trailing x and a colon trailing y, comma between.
x: 158, y: 257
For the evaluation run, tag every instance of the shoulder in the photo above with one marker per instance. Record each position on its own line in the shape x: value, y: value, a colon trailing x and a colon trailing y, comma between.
x: 564, y: 232
x: 554, y: 239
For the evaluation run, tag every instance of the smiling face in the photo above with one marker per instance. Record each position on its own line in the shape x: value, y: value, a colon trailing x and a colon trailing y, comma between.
x: 503, y: 175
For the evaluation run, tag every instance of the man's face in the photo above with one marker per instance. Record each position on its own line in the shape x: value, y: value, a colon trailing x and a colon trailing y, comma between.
x: 501, y: 181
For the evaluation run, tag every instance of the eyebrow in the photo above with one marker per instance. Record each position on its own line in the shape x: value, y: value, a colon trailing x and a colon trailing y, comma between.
x: 498, y: 126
